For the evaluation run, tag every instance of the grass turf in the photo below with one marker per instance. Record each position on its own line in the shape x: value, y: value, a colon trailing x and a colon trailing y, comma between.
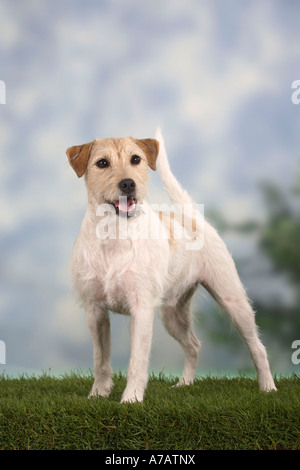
x: 215, y: 413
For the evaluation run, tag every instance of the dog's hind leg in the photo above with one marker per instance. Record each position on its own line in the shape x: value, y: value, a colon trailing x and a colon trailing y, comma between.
x: 223, y: 283
x: 99, y: 326
x: 178, y: 322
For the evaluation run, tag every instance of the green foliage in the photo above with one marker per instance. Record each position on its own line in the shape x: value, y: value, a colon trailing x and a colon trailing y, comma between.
x: 278, y: 240
x: 280, y: 236
x: 214, y: 413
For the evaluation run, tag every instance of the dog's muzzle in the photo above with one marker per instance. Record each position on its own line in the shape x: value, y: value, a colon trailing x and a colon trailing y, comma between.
x: 127, y: 186
x: 126, y: 204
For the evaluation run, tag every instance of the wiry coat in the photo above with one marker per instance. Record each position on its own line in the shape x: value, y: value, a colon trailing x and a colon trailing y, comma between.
x: 135, y: 272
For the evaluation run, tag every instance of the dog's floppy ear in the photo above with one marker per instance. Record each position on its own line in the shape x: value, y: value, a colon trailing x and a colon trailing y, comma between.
x: 150, y: 148
x: 78, y: 156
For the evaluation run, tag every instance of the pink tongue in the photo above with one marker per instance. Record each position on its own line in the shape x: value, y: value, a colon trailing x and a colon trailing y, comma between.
x: 125, y: 204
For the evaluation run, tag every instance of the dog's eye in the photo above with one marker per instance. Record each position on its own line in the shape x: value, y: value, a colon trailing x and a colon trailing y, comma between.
x: 103, y: 163
x: 135, y: 159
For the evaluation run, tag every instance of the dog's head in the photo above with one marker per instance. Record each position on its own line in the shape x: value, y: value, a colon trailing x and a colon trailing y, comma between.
x: 116, y: 170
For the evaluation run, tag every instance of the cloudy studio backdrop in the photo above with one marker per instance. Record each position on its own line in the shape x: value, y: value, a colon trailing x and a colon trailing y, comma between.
x: 217, y: 77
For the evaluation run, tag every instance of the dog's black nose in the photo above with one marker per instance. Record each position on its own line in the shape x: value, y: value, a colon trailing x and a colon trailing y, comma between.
x: 127, y: 185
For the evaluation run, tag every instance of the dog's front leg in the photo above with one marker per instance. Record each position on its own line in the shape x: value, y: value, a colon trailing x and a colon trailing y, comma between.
x: 99, y: 326
x: 140, y: 344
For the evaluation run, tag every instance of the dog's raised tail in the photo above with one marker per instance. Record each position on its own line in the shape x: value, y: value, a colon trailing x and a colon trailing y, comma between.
x: 176, y: 193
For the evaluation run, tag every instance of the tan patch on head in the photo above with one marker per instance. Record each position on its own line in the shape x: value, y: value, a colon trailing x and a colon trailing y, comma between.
x: 103, y: 183
x: 78, y: 156
x: 150, y: 147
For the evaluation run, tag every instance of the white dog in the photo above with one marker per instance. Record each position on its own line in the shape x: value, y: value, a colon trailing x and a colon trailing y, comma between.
x: 131, y: 259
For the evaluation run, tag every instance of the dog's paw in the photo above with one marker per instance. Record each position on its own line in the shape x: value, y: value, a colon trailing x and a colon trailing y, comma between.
x: 101, y: 389
x: 268, y: 388
x: 267, y: 385
x: 132, y: 396
x: 184, y: 381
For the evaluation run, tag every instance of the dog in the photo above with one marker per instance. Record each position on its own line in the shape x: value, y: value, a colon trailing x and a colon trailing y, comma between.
x: 119, y: 266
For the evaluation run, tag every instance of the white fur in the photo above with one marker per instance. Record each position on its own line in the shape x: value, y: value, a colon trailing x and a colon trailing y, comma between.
x: 134, y: 276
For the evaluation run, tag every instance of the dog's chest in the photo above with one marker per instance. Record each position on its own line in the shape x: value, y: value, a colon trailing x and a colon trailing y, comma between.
x: 121, y: 273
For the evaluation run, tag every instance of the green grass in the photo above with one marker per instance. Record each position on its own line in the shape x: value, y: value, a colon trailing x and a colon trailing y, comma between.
x: 215, y: 413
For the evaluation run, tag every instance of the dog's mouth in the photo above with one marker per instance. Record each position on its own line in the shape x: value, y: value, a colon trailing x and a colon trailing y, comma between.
x: 124, y: 206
